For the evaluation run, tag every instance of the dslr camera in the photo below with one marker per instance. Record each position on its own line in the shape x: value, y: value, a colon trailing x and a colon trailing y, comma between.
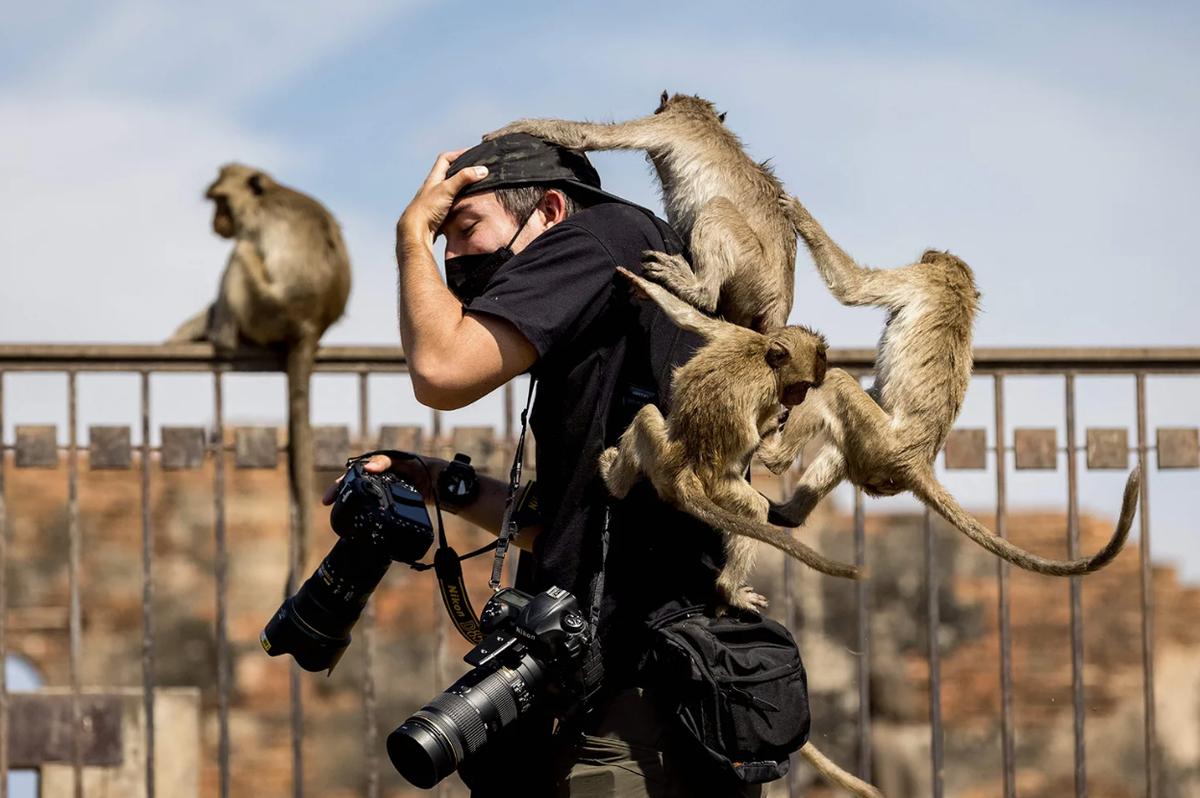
x: 380, y: 519
x: 538, y: 648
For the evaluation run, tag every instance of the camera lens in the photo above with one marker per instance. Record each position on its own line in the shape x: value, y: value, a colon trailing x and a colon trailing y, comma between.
x: 443, y: 734
x: 314, y: 625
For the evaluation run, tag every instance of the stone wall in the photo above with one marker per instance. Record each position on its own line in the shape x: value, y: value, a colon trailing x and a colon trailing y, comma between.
x: 419, y: 654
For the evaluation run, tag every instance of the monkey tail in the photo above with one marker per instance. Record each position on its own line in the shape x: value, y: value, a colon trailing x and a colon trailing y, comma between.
x: 300, y: 357
x: 697, y: 503
x: 830, y: 770
x: 930, y: 491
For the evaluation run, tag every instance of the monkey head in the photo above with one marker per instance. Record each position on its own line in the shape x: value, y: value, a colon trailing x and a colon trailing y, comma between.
x: 688, y: 104
x: 957, y: 273
x: 798, y: 356
x: 237, y: 194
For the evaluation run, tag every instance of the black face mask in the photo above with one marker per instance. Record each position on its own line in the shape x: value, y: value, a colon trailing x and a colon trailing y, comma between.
x: 468, y: 275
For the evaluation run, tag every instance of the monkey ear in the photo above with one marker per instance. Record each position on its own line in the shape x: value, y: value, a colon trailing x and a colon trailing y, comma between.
x: 259, y: 183
x: 777, y: 355
x: 721, y: 116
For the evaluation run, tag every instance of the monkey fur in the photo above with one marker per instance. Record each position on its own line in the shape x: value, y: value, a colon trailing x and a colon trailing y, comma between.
x: 724, y: 399
x: 723, y: 204
x: 286, y: 281
x: 886, y: 441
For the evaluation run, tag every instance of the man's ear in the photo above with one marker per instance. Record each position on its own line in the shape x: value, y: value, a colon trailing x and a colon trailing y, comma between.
x: 553, y: 207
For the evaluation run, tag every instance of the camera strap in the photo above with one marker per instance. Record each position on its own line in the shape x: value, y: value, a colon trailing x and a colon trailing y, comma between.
x: 507, y: 527
x: 447, y: 564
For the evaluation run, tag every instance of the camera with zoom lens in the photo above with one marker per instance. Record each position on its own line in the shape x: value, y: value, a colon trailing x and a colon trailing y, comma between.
x: 537, y: 648
x: 380, y: 519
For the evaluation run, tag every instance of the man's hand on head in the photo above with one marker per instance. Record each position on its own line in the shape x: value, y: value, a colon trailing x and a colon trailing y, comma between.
x: 424, y: 215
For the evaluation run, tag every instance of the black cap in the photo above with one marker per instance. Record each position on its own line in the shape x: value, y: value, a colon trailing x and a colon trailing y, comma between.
x: 519, y: 159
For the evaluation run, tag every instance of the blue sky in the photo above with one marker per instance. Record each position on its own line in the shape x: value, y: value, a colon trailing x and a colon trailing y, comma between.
x: 1052, y: 145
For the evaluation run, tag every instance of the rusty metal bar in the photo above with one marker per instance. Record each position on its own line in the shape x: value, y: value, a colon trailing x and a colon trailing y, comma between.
x: 789, y: 614
x: 508, y: 411
x: 220, y: 564
x: 74, y: 557
x: 1147, y: 591
x: 3, y: 608
x: 147, y: 590
x: 1007, y: 732
x: 439, y: 659
x: 295, y: 687
x: 370, y: 704
x: 935, y: 661
x: 354, y: 359
x: 863, y: 611
x: 1076, y: 593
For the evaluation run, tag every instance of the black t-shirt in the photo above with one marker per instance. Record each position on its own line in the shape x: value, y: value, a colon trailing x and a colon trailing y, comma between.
x: 562, y: 292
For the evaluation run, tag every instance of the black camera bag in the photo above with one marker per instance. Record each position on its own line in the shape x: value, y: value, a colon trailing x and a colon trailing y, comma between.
x: 738, y: 689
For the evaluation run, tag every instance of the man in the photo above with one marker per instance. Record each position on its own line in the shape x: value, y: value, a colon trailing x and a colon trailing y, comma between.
x: 556, y: 309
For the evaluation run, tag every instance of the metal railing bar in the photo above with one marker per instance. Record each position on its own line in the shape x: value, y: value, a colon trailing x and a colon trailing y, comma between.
x: 1147, y: 597
x: 1076, y: 587
x: 220, y: 565
x: 74, y: 557
x: 935, y: 662
x: 1007, y: 734
x: 147, y: 590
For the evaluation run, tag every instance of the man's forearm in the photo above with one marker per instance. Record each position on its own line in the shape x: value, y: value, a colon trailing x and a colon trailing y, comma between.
x: 429, y: 313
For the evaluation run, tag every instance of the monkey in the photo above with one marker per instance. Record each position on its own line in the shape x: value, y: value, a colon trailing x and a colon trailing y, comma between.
x: 285, y: 283
x: 723, y: 204
x: 725, y: 398
x: 885, y: 441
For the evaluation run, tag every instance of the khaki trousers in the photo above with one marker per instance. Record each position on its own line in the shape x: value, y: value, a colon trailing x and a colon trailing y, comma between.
x: 626, y: 751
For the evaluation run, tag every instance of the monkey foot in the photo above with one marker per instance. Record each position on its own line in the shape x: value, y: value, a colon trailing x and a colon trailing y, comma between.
x: 744, y: 598
x: 674, y: 273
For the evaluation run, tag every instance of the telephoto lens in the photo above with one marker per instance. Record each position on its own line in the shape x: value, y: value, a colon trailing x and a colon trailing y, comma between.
x: 380, y: 519
x: 535, y: 646
x: 432, y: 744
x: 314, y: 625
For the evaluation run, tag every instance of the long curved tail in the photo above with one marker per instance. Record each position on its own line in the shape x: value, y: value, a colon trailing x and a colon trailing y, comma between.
x: 697, y: 503
x: 300, y: 356
x: 829, y: 769
x: 930, y: 491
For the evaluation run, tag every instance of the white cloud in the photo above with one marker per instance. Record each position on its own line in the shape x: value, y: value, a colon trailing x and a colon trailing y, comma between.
x: 219, y: 53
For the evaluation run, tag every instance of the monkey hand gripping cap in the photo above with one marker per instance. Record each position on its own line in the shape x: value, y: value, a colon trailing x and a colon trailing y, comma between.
x: 515, y: 160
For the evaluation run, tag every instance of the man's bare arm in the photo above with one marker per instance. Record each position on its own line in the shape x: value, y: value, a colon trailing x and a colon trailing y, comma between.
x: 454, y: 357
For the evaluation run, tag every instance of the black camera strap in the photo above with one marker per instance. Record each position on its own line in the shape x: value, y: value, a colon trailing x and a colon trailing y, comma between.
x: 507, y: 527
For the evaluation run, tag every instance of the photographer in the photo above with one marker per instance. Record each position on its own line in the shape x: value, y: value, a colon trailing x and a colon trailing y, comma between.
x: 531, y: 248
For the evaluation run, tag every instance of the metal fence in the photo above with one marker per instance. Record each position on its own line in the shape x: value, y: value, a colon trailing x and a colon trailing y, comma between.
x: 966, y: 448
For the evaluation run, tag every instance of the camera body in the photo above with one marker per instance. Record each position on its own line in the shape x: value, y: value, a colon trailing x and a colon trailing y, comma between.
x: 379, y: 519
x: 538, y: 648
x: 385, y: 511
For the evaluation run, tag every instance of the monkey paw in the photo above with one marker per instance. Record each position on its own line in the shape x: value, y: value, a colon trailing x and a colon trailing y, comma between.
x: 615, y: 479
x: 774, y: 457
x: 744, y: 598
x: 530, y: 126
x: 675, y: 274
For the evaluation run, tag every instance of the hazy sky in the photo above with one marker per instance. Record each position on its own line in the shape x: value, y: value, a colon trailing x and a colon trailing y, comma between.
x: 1052, y: 145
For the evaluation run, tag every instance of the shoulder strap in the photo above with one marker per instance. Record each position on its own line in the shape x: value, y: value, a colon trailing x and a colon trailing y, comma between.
x: 507, y: 527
